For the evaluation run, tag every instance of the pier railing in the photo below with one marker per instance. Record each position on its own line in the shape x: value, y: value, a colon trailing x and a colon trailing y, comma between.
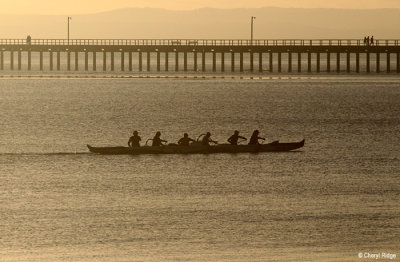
x: 203, y: 42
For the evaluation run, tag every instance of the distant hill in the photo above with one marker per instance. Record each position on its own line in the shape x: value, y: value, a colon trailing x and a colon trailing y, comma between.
x: 270, y: 23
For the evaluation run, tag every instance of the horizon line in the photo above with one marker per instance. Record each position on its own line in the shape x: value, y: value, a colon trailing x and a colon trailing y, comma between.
x: 202, y: 8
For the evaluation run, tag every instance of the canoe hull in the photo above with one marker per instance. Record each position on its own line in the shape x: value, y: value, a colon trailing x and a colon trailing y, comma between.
x: 196, y: 149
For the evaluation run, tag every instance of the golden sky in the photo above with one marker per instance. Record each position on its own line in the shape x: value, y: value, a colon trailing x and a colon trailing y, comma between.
x: 71, y: 7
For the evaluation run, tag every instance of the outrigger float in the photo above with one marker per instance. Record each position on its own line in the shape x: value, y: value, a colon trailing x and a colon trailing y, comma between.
x: 197, y: 149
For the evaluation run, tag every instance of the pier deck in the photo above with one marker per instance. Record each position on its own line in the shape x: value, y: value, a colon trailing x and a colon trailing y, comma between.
x: 276, y: 53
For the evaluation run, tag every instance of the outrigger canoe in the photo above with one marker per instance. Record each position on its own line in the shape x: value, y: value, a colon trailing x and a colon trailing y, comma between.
x: 197, y: 149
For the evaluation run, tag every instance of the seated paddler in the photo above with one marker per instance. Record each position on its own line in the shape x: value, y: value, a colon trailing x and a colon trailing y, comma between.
x: 185, y: 140
x: 157, y: 141
x: 233, y: 140
x: 254, y: 138
x: 134, y: 140
x: 207, y: 140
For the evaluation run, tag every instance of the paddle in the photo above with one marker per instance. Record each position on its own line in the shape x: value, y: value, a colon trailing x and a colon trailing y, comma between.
x: 242, y: 140
x: 148, y: 140
x: 198, y: 139
x: 162, y: 141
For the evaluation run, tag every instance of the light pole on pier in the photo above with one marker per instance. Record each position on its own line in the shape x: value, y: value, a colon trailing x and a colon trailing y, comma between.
x: 69, y: 18
x: 252, y: 23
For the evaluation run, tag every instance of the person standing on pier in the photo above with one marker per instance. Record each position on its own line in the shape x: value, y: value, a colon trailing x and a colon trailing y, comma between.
x: 28, y: 40
x: 372, y: 40
x: 367, y: 40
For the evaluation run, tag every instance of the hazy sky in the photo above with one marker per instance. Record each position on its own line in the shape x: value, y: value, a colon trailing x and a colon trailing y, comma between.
x: 71, y: 7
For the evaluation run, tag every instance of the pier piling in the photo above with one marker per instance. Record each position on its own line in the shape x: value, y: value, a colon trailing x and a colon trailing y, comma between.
x: 112, y: 61
x: 251, y: 61
x: 12, y: 60
x: 29, y: 60
x: 166, y: 61
x: 203, y: 61
x: 1, y: 60
x: 148, y: 62
x: 104, y: 61
x: 58, y: 61
x: 122, y: 61
x: 338, y: 62
x: 299, y: 62
x: 358, y: 62
x: 241, y: 61
x: 76, y: 61
x: 176, y: 61
x: 271, y: 62
x: 388, y: 69
x: 86, y: 61
x: 51, y: 60
x: 328, y: 62
x: 68, y: 60
x: 94, y: 66
x: 140, y: 57
x: 195, y: 61
x: 185, y: 68
x: 232, y: 62
x: 214, y: 61
x: 19, y: 60
x: 378, y: 62
x: 41, y: 60
x: 130, y: 61
x: 222, y: 62
x: 397, y: 62
x: 158, y: 61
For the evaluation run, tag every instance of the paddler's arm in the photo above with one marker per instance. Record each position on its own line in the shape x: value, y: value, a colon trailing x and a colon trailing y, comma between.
x: 180, y: 141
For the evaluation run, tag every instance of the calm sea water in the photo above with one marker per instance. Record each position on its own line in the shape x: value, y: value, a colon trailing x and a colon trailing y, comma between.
x: 331, y: 200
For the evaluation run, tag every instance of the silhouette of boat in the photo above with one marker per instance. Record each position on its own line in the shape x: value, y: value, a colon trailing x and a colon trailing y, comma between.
x: 197, y: 149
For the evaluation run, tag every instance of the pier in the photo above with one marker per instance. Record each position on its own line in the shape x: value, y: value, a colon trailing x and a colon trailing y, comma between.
x: 192, y: 55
